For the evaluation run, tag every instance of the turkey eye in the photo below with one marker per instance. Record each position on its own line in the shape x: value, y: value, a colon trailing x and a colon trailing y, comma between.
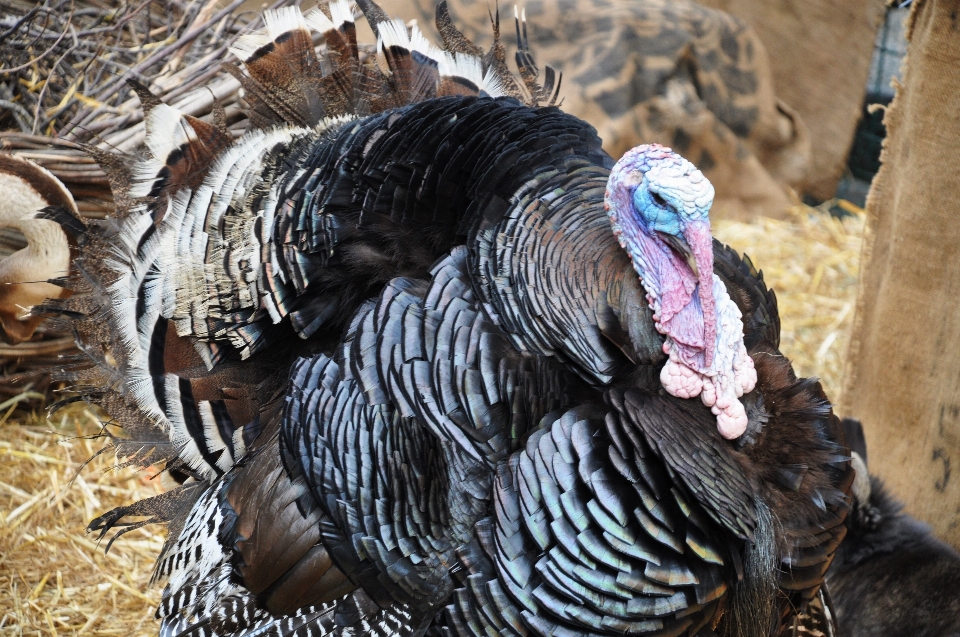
x: 659, y: 200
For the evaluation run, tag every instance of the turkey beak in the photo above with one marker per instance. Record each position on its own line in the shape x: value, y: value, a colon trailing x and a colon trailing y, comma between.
x: 683, y: 250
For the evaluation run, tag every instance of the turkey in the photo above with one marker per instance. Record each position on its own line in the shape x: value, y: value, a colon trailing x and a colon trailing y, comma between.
x: 891, y: 575
x: 423, y: 358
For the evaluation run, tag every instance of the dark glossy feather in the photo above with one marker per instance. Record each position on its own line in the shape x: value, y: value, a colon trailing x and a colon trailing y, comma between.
x: 891, y: 575
x: 410, y: 379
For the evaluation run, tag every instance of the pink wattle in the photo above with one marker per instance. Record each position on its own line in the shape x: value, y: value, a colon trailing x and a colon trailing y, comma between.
x: 697, y: 234
x: 687, y: 309
x: 704, y: 336
x: 731, y: 375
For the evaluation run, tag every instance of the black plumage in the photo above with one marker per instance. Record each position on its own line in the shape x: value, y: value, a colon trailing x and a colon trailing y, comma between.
x: 410, y: 379
x: 891, y: 575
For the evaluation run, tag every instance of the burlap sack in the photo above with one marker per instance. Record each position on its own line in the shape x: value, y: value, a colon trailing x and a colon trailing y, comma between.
x: 672, y: 72
x: 903, y: 371
x: 820, y: 55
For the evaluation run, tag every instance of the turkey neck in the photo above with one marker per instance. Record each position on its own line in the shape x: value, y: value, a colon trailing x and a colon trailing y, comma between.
x: 554, y: 277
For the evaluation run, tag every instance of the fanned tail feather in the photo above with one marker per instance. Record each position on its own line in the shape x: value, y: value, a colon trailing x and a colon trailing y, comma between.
x: 171, y: 283
x: 549, y: 92
x: 179, y: 294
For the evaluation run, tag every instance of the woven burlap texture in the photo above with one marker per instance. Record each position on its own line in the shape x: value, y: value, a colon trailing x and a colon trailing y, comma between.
x: 903, y: 370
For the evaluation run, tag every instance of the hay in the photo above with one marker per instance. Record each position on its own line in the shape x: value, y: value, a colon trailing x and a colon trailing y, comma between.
x: 812, y: 261
x: 55, y: 580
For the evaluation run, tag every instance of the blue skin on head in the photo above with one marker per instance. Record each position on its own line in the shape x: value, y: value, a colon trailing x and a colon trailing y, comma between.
x: 659, y: 212
x: 655, y: 216
x: 659, y: 206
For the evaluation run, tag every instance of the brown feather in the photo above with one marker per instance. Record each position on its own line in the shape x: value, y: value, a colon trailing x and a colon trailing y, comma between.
x: 284, y: 78
x: 453, y: 39
x: 456, y: 86
x: 339, y: 87
x: 148, y: 101
x: 810, y: 515
x: 117, y: 166
x: 178, y: 353
x: 277, y: 534
x: 301, y: 586
x: 187, y: 166
x: 374, y: 14
x: 496, y: 58
x: 220, y: 118
x: 413, y: 79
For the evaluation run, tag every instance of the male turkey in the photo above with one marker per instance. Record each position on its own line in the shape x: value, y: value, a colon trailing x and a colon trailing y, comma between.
x: 394, y: 345
x: 891, y: 575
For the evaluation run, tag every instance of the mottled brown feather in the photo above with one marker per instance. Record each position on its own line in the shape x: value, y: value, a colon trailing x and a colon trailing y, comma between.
x: 453, y: 39
x: 187, y: 166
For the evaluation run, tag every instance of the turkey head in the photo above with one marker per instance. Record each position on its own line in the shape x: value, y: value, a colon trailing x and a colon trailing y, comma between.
x: 658, y: 204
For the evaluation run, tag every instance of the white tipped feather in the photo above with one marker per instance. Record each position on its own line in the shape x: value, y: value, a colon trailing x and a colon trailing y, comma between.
x: 239, y: 446
x: 187, y: 448
x: 492, y: 85
x: 393, y: 33
x: 144, y: 174
x: 167, y: 130
x: 420, y: 43
x: 123, y: 308
x: 342, y: 12
x: 462, y: 65
x: 179, y: 221
x: 152, y: 291
x: 272, y: 259
x: 247, y: 45
x: 206, y: 352
x: 271, y: 308
x: 211, y: 433
x: 319, y: 22
x: 282, y: 20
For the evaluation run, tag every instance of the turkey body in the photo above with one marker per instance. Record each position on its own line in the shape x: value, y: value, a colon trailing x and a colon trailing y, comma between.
x: 891, y: 575
x: 410, y: 382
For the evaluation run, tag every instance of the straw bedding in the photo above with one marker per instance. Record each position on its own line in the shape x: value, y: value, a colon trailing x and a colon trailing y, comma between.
x: 812, y: 261
x: 55, y: 579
